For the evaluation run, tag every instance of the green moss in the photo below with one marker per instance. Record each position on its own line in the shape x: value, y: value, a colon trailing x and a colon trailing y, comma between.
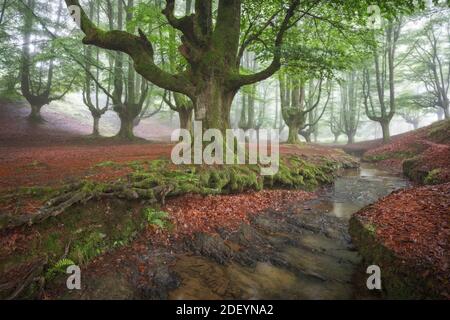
x: 440, y: 132
x: 389, y: 155
x: 433, y: 177
x: 107, y: 164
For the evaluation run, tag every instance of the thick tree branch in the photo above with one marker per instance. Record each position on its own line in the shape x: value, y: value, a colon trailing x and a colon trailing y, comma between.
x: 138, y: 48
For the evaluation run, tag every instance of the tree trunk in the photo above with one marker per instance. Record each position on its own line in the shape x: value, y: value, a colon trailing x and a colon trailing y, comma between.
x: 440, y: 114
x: 213, y: 105
x: 35, y: 114
x: 307, y: 137
x: 386, y: 131
x: 350, y: 138
x: 447, y: 113
x: 126, y: 127
x: 336, y: 138
x: 95, y: 129
x: 293, y: 134
x: 185, y: 116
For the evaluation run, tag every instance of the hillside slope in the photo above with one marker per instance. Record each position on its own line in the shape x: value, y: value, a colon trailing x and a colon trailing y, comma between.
x: 423, y: 155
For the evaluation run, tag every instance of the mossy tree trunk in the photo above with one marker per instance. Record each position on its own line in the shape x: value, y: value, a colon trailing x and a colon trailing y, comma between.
x: 351, y: 138
x: 293, y: 133
x: 386, y: 131
x: 336, y: 137
x: 185, y: 116
x: 211, y: 47
x: 126, y: 125
x: 35, y: 114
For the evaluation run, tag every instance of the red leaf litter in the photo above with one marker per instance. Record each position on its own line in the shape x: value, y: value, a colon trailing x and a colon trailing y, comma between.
x: 415, y: 225
x: 194, y: 213
x: 430, y: 152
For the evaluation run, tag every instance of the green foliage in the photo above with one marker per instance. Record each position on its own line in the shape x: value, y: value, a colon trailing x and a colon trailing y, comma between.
x: 106, y: 164
x: 159, y: 219
x: 433, y: 177
x: 59, y: 267
x: 88, y: 247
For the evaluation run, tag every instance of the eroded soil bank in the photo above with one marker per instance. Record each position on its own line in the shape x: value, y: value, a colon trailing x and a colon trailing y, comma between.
x: 407, y: 234
x: 298, y: 250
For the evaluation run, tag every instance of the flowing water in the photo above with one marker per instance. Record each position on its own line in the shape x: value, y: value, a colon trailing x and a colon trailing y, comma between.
x: 304, y: 253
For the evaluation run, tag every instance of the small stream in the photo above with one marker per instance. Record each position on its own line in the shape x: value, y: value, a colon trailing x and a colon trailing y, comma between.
x: 303, y: 253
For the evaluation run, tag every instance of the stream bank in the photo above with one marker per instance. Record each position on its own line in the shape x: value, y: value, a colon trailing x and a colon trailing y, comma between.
x: 302, y: 252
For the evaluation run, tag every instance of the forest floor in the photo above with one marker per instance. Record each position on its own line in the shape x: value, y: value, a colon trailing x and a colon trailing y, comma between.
x: 54, y: 152
x: 40, y: 158
x: 45, y: 155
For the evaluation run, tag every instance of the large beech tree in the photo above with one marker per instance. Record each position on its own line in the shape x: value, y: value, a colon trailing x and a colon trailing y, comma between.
x: 213, y: 52
x: 213, y: 42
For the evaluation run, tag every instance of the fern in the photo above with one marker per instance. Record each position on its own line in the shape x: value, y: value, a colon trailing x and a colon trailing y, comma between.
x: 63, y: 264
x: 157, y: 218
x: 59, y: 267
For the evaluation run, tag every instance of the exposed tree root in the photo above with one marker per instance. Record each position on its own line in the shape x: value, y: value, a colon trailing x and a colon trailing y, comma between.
x: 77, y: 194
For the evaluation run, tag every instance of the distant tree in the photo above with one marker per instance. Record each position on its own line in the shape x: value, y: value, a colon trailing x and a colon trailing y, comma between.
x: 334, y: 119
x: 410, y: 108
x: 350, y: 106
x: 130, y: 90
x: 311, y: 127
x: 431, y: 60
x: 40, y: 82
x: 382, y: 109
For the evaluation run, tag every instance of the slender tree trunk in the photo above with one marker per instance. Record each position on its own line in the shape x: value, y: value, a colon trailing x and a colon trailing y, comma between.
x: 95, y: 128
x: 386, y: 131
